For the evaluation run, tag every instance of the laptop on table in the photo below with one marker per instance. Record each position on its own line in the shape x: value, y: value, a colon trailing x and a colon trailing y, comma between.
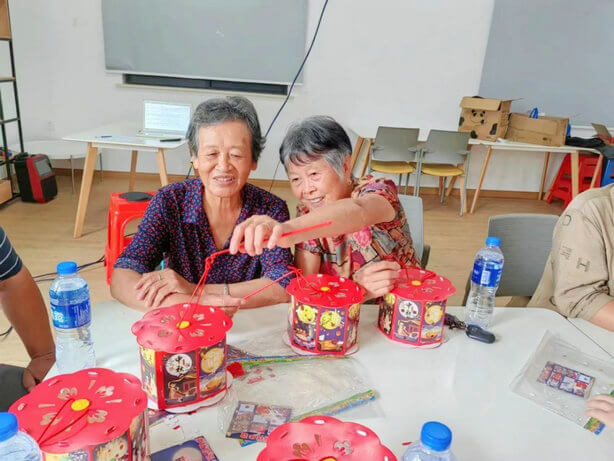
x: 164, y: 120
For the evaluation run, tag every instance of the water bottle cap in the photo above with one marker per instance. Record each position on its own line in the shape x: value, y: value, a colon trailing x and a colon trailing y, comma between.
x: 493, y: 241
x: 436, y: 436
x: 67, y: 268
x: 8, y: 426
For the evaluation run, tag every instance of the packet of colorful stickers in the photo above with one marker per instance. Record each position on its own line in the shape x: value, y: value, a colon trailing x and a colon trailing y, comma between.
x: 271, y: 394
x: 561, y: 379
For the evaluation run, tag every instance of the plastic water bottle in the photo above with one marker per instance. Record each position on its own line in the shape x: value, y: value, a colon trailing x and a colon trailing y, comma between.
x: 485, y: 279
x: 71, y: 316
x: 434, y: 444
x: 16, y: 445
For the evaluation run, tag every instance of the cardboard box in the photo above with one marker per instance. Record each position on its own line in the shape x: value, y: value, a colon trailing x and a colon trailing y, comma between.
x: 484, y: 118
x: 546, y: 131
x: 5, y: 190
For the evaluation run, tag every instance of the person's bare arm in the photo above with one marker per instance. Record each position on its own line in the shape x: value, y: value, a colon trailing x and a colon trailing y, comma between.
x: 345, y: 216
x: 274, y: 294
x: 605, y: 317
x: 125, y: 285
x: 25, y: 309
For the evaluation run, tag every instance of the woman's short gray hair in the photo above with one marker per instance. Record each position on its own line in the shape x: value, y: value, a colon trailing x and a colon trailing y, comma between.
x: 219, y: 110
x: 314, y: 138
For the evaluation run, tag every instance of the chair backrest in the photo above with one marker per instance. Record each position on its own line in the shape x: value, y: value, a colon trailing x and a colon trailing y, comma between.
x: 393, y: 144
x: 446, y: 147
x: 413, y: 212
x: 526, y: 240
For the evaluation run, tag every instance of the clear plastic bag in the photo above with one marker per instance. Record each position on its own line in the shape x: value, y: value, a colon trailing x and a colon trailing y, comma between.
x: 267, y: 346
x: 561, y: 379
x: 306, y: 387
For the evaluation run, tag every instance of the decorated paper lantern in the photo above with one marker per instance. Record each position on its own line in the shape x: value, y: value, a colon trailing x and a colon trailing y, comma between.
x: 322, y: 438
x: 183, y: 356
x: 89, y: 415
x: 413, y: 313
x: 324, y: 314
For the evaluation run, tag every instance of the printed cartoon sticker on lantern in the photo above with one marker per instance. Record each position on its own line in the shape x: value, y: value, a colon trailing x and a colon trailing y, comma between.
x: 212, y: 368
x: 414, y: 312
x: 324, y: 314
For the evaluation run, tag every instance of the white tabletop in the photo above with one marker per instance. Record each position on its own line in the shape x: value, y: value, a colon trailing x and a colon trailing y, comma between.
x: 501, y: 144
x: 604, y: 338
x: 463, y: 383
x: 122, y: 135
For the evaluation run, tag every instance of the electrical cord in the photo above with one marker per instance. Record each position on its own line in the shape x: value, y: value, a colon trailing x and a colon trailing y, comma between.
x: 300, y: 69
x: 51, y: 275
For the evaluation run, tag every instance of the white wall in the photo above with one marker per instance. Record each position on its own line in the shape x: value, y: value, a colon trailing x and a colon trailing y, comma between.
x: 390, y: 62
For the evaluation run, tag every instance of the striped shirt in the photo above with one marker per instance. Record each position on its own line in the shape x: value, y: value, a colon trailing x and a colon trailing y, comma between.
x: 10, y: 264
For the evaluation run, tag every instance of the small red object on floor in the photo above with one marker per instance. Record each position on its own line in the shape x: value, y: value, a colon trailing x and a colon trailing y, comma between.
x: 561, y: 187
x: 122, y: 210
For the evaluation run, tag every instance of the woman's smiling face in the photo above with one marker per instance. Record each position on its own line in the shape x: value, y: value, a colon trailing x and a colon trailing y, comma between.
x: 224, y: 158
x: 316, y: 183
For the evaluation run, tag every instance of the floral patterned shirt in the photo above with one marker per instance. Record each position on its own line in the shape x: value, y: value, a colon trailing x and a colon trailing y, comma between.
x: 345, y: 254
x: 175, y: 228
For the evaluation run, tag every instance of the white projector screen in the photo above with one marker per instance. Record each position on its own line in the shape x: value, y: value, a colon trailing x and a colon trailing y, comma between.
x: 238, y: 40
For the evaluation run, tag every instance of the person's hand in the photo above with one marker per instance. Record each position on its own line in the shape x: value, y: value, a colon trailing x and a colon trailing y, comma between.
x: 229, y: 304
x: 37, y: 369
x: 377, y: 278
x: 154, y: 287
x: 602, y: 408
x: 257, y: 233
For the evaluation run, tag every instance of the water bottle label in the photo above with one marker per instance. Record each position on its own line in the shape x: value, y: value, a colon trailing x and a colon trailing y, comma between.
x: 486, y: 275
x: 72, y: 316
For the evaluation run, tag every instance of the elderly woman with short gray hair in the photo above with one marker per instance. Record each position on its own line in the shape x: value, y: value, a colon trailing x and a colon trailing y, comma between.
x: 189, y: 220
x: 369, y: 236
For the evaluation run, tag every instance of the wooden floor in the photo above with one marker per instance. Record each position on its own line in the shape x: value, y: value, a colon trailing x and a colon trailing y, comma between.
x: 42, y: 235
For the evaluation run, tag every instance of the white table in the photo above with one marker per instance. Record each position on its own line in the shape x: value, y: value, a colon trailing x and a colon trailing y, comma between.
x: 496, y: 145
x: 518, y: 146
x: 604, y: 338
x: 117, y: 137
x: 463, y: 383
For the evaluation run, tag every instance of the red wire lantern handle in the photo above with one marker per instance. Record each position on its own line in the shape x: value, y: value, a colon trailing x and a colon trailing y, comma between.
x: 200, y: 286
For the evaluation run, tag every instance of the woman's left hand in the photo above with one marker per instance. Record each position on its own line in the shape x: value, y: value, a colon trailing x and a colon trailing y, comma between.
x: 377, y: 278
x: 153, y: 287
x: 257, y: 233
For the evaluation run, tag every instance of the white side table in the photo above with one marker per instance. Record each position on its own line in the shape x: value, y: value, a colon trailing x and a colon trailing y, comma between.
x: 57, y: 149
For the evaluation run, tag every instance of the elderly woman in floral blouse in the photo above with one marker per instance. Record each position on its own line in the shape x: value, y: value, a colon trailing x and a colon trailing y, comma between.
x: 369, y: 235
x: 189, y: 220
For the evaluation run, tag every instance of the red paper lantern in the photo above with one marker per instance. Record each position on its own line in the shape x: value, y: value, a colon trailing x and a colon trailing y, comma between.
x: 183, y: 356
x: 92, y: 414
x: 414, y: 312
x: 324, y: 314
x: 322, y: 438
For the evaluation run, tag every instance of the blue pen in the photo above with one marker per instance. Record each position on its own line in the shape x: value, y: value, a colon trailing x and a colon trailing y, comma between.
x: 106, y: 136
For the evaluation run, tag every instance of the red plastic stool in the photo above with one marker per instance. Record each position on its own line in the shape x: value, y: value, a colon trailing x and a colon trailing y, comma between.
x: 123, y: 208
x: 561, y: 188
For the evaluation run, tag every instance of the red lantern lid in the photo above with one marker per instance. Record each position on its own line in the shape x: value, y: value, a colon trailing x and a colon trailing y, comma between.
x: 68, y: 412
x: 420, y: 284
x: 325, y: 290
x: 181, y: 327
x: 319, y: 438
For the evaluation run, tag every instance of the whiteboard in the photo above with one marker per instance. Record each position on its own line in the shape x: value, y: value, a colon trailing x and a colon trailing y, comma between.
x: 558, y: 55
x: 237, y: 40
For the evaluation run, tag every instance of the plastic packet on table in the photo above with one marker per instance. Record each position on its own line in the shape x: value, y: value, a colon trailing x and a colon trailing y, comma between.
x: 561, y: 379
x: 304, y: 387
x: 266, y: 346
